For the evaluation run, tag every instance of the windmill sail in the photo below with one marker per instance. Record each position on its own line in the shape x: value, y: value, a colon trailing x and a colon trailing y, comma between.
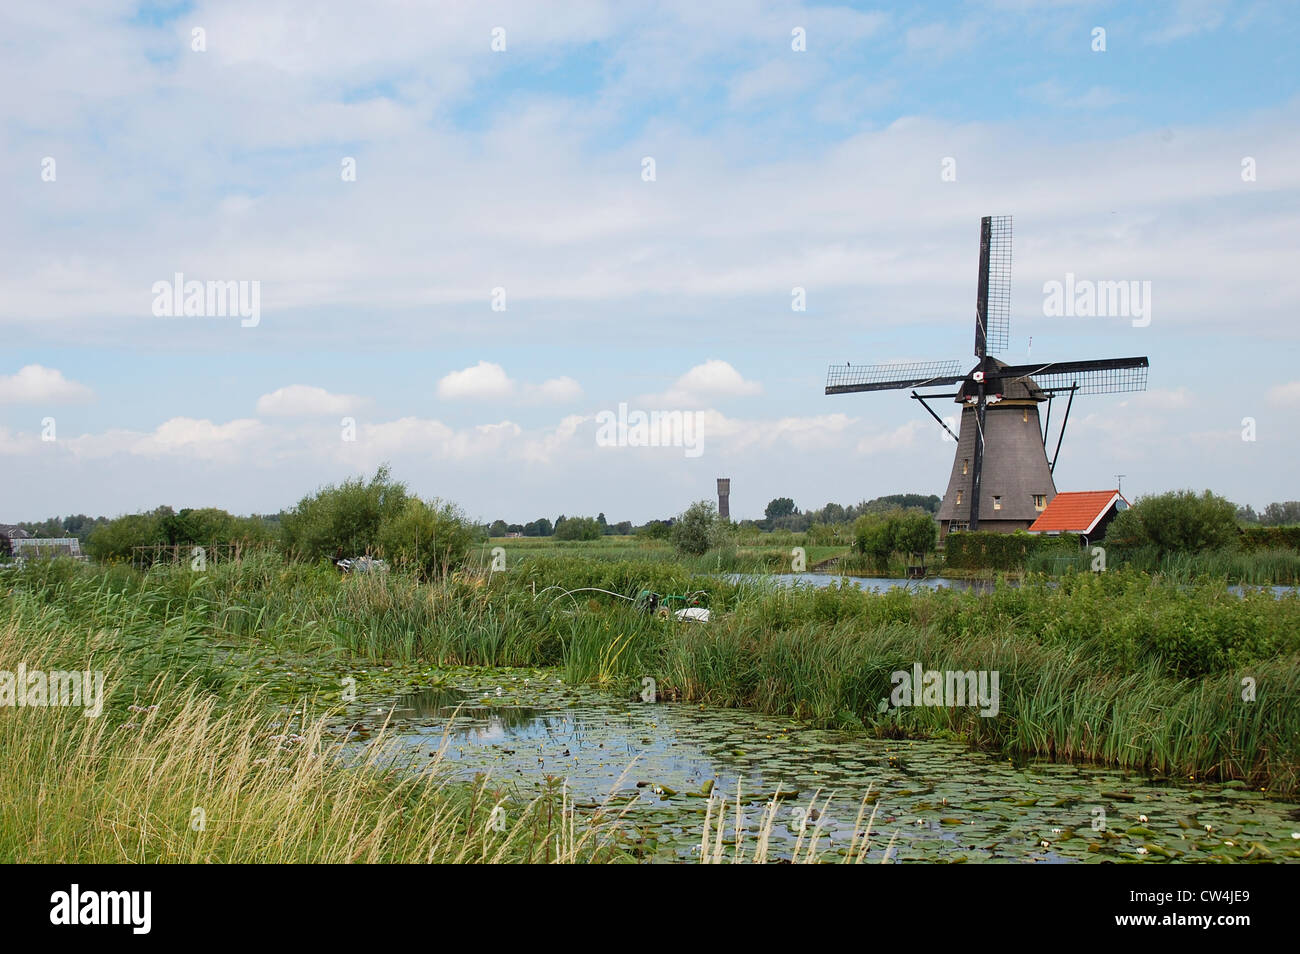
x: 993, y: 292
x: 1107, y: 376
x: 849, y: 378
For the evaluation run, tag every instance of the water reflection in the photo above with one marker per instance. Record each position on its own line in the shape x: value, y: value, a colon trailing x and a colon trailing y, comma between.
x: 940, y: 800
x: 874, y: 584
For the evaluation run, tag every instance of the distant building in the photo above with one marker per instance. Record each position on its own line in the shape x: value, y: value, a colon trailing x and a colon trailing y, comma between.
x: 1085, y: 512
x: 18, y: 543
x: 9, y: 533
x: 37, y: 547
x: 724, y: 498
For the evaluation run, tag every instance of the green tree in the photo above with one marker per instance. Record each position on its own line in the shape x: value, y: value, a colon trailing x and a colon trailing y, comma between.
x: 345, y: 518
x: 578, y: 528
x: 1281, y: 514
x: 833, y: 513
x: 113, y: 541
x: 499, y: 528
x: 428, y: 539
x: 541, y: 527
x: 1180, y: 521
x: 655, y: 530
x: 873, y: 536
x: 916, y: 532
x: 698, y: 529
x: 779, y: 507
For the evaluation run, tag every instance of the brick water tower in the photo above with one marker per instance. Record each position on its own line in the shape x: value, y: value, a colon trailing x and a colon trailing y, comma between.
x: 724, y: 492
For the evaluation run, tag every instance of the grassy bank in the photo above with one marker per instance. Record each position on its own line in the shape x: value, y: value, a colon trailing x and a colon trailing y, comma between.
x: 1117, y: 668
x: 187, y: 763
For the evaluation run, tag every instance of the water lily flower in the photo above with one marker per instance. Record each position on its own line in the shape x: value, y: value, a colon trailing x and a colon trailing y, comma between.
x: 1142, y: 851
x: 1142, y: 818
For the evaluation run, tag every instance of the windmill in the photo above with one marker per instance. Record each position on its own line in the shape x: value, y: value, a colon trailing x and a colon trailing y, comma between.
x: 1001, y: 467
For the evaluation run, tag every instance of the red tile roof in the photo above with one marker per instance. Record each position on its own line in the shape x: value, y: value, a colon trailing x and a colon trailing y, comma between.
x: 1075, y: 511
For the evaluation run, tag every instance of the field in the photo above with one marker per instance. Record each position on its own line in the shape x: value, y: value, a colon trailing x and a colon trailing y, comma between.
x: 754, y: 553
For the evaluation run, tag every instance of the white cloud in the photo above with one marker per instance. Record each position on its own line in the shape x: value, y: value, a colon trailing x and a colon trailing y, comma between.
x: 302, y: 400
x: 201, y: 439
x: 1285, y: 395
x: 35, y: 384
x: 483, y: 380
x: 1162, y: 399
x: 713, y: 380
x: 558, y: 390
x: 489, y: 381
x: 179, y: 437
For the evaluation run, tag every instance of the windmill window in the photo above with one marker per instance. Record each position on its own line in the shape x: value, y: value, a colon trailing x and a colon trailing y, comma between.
x: 959, y: 498
x: 1040, y: 501
x: 997, y: 503
x: 965, y: 461
x: 1024, y: 415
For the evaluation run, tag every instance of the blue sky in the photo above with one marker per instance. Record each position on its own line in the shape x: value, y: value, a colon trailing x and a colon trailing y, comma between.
x: 522, y: 170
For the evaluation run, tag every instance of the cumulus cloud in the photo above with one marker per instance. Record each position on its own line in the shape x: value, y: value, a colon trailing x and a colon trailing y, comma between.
x: 705, y: 383
x: 178, y: 437
x: 483, y: 380
x: 557, y: 390
x: 303, y: 400
x: 489, y: 381
x: 35, y: 384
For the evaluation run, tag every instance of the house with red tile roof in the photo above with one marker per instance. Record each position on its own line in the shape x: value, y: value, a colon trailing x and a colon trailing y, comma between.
x: 1085, y: 512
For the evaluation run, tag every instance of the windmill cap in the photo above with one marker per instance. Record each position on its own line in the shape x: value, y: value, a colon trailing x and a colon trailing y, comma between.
x: 1011, y: 389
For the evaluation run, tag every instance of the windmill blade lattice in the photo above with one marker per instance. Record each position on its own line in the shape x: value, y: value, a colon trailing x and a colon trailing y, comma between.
x: 997, y: 322
x: 846, y: 378
x: 1111, y: 376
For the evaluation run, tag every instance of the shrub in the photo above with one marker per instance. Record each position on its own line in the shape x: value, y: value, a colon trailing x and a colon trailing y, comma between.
x: 1179, y: 521
x: 878, y: 535
x: 1270, y: 538
x: 699, y: 529
x: 428, y: 539
x: 344, y: 518
x: 1002, y: 551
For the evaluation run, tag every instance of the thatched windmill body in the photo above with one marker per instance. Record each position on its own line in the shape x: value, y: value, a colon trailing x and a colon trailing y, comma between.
x: 1001, y: 477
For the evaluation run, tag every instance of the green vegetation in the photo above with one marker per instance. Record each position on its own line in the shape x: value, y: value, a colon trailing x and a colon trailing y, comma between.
x: 190, y: 763
x: 1013, y: 551
x: 1179, y: 521
x: 878, y: 536
x: 699, y: 529
x: 1118, y: 668
x: 113, y: 540
x: 578, y: 528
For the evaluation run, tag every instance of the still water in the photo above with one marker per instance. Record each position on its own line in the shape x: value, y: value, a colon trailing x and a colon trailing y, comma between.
x: 940, y: 800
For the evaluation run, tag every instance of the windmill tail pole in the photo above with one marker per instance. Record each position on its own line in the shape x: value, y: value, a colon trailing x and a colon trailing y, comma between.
x: 1060, y: 437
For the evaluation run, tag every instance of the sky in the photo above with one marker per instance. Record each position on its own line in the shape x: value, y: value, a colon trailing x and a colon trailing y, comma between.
x: 475, y: 230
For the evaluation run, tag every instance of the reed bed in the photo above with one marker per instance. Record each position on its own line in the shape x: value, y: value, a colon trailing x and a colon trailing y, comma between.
x: 1121, y: 668
x: 172, y: 772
